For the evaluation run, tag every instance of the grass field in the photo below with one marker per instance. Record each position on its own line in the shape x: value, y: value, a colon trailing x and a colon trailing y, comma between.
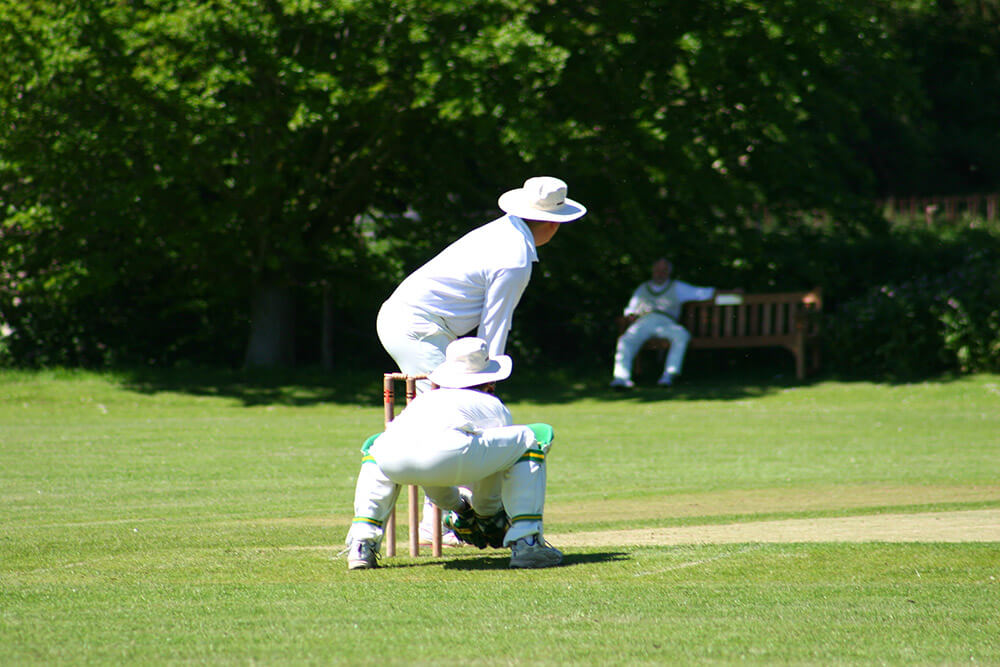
x: 190, y: 517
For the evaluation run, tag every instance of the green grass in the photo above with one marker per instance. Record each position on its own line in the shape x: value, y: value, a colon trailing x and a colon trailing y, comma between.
x: 196, y: 516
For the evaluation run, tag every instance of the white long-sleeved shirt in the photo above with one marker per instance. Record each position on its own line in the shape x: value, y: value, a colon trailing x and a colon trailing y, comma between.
x: 666, y: 298
x: 466, y: 410
x: 476, y: 282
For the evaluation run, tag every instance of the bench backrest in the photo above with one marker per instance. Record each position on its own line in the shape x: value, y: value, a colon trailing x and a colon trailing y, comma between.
x: 764, y: 318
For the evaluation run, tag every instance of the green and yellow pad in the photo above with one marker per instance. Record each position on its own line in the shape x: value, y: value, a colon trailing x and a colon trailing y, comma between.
x: 368, y: 520
x: 369, y: 442
x: 544, y: 433
x: 535, y: 455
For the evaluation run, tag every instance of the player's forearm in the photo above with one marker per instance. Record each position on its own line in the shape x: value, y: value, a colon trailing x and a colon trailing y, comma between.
x: 501, y: 299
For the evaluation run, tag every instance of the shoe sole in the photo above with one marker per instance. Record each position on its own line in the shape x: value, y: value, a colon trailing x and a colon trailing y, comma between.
x: 360, y: 565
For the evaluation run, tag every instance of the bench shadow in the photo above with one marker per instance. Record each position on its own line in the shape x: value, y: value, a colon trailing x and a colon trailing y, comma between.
x: 695, y: 389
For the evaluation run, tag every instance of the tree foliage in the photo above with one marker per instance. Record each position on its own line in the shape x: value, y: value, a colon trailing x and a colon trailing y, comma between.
x: 231, y: 147
x: 179, y: 177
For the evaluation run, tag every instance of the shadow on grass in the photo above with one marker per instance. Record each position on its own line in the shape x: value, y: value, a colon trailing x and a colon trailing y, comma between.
x: 503, y: 562
x: 293, y: 387
x: 304, y: 387
x: 708, y: 376
x: 716, y: 375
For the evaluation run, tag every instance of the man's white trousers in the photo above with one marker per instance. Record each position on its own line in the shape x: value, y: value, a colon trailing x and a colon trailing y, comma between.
x: 651, y: 325
x: 503, y: 467
x: 416, y: 341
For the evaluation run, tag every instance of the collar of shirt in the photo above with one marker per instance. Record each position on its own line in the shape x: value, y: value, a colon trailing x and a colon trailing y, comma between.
x: 659, y: 289
x: 521, y: 226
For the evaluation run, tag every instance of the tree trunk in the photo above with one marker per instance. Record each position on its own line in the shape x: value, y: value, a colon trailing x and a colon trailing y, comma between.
x: 272, y: 328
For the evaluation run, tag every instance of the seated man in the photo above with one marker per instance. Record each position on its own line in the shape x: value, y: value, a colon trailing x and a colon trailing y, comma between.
x: 459, y: 434
x: 654, y: 310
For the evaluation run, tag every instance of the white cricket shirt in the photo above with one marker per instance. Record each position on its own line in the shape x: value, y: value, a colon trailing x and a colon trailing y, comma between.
x: 465, y: 410
x: 476, y: 282
x: 666, y: 298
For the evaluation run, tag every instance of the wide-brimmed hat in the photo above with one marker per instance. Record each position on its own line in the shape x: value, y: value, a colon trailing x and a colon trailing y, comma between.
x: 467, y: 364
x: 542, y: 198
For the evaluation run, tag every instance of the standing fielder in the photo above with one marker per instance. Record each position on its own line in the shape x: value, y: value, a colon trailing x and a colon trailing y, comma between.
x: 473, y: 285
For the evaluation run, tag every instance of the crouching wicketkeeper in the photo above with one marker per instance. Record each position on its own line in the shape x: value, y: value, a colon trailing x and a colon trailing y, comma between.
x: 460, y: 434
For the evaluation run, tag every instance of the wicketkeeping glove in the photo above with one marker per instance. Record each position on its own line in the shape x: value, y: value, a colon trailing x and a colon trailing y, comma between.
x: 466, y: 528
x: 494, y: 528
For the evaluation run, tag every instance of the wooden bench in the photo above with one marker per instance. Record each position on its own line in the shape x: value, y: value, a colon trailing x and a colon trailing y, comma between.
x: 784, y: 319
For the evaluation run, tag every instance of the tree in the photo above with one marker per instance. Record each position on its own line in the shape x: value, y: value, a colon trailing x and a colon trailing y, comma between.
x: 952, y: 48
x: 235, y: 145
x: 685, y: 122
x: 176, y: 176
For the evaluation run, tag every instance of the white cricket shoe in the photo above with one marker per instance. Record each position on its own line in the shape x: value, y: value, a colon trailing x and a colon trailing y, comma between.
x: 362, y: 555
x: 666, y: 381
x: 622, y: 383
x: 533, y: 552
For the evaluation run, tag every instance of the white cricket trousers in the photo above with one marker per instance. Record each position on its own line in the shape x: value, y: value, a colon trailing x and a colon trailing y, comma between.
x: 416, y: 341
x: 504, y: 467
x: 651, y: 325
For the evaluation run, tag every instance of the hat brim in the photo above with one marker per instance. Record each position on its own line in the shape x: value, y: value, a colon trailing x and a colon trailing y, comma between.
x: 453, y: 376
x: 516, y: 203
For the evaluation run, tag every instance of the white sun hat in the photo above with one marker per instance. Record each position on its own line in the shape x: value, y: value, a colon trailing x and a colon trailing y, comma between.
x: 542, y: 198
x: 467, y: 364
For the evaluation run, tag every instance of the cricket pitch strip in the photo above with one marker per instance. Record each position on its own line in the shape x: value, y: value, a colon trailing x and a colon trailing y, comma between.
x: 959, y: 526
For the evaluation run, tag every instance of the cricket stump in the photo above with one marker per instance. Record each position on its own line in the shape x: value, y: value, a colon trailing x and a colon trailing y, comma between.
x: 389, y: 404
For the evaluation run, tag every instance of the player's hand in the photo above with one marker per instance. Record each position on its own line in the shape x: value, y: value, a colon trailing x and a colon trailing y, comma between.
x: 494, y: 528
x: 466, y: 529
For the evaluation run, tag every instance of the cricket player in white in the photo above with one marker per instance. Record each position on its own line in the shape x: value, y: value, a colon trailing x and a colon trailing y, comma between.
x: 655, y: 308
x: 473, y: 285
x: 458, y: 434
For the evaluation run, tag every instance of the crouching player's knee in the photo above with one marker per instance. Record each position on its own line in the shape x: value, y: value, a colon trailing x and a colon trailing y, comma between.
x: 544, y: 435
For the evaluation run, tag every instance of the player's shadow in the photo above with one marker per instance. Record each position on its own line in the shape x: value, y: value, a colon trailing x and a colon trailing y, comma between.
x: 503, y: 562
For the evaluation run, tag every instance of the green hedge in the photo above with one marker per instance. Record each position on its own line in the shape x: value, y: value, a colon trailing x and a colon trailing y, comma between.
x: 900, y: 302
x: 940, y: 322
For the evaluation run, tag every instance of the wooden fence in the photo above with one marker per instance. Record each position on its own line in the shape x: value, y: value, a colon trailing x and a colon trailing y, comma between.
x: 948, y: 208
